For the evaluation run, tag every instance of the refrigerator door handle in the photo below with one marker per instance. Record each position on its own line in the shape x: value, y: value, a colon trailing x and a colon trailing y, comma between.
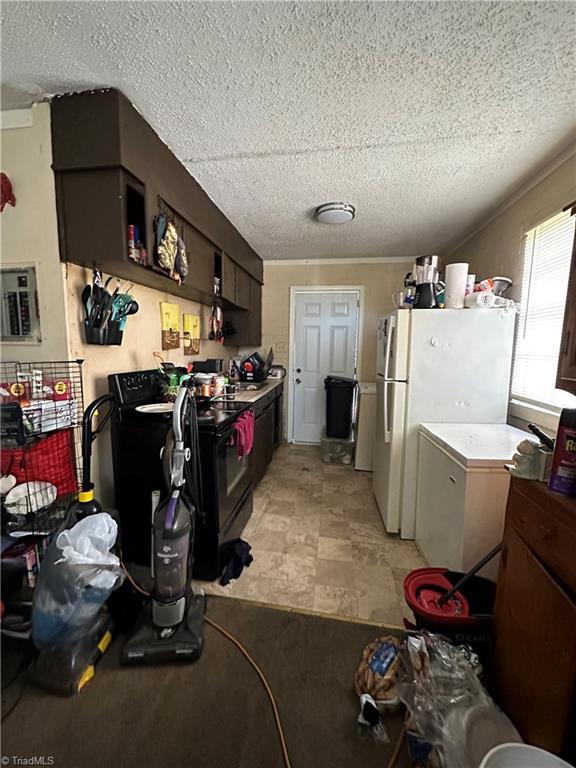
x: 387, y: 431
x: 389, y: 331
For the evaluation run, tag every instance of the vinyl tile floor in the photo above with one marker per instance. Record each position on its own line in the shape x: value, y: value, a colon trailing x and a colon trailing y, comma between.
x: 319, y: 544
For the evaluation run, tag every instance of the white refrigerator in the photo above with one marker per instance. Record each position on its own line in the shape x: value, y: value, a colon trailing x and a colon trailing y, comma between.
x: 433, y: 365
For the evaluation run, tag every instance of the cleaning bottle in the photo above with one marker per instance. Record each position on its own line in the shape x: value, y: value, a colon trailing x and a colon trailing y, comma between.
x: 563, y: 472
x: 87, y: 504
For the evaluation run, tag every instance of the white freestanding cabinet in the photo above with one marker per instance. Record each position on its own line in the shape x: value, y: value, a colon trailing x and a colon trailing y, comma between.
x: 462, y: 492
x: 364, y: 453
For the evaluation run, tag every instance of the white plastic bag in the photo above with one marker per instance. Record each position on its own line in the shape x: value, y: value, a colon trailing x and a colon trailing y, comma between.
x: 88, y: 543
x: 76, y: 577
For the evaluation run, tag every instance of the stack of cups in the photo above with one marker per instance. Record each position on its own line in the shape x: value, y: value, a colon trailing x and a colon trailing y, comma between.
x: 455, y: 275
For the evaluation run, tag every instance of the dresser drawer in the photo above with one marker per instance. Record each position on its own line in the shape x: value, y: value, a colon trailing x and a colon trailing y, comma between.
x: 550, y: 538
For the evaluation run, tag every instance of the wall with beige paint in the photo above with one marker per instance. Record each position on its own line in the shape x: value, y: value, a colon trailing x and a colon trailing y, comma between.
x: 379, y: 281
x: 29, y: 232
x: 496, y: 248
x: 142, y: 337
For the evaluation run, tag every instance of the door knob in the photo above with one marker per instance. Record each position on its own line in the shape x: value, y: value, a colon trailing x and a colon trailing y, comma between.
x: 298, y: 381
x: 298, y: 370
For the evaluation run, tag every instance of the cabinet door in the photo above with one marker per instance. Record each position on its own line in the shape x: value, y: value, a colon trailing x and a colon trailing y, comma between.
x: 243, y: 281
x: 200, y: 254
x: 263, y: 444
x: 440, y: 506
x: 268, y: 416
x: 534, y: 650
x: 247, y: 323
x: 278, y: 415
x: 566, y: 376
x: 228, y: 278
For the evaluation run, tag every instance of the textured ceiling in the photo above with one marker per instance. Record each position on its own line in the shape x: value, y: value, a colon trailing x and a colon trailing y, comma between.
x: 423, y: 115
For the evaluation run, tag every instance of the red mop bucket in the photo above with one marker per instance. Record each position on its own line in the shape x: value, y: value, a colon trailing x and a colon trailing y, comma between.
x: 465, y: 618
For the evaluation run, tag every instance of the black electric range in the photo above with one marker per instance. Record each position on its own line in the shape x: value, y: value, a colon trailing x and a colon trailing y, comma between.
x: 138, y: 436
x: 220, y: 414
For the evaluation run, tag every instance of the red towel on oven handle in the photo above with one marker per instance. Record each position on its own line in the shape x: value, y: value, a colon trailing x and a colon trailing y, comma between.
x: 248, y: 431
x: 244, y: 433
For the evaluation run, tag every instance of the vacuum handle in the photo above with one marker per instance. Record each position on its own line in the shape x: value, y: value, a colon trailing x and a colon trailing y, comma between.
x: 472, y: 572
x: 89, y: 434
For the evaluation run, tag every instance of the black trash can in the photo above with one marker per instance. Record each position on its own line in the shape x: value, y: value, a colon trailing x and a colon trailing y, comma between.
x: 339, y: 406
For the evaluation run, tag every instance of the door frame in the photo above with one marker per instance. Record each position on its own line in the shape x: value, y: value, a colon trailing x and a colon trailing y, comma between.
x: 296, y: 289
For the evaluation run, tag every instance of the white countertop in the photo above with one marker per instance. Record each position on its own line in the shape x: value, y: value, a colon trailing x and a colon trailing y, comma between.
x: 251, y: 395
x: 477, y: 445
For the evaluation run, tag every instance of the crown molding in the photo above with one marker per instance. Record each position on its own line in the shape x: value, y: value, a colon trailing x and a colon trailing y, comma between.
x: 340, y: 262
x: 16, y: 118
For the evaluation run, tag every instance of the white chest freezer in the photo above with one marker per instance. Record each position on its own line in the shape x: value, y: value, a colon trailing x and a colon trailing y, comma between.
x: 462, y: 490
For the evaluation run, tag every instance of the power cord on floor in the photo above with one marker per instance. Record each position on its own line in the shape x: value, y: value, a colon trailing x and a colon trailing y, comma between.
x: 396, y: 753
x: 250, y: 660
x: 260, y: 674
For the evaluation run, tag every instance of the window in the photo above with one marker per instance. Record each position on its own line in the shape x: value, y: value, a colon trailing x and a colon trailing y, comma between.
x: 547, y: 251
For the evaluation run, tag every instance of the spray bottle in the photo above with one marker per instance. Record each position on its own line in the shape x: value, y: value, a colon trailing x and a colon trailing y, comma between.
x: 563, y: 472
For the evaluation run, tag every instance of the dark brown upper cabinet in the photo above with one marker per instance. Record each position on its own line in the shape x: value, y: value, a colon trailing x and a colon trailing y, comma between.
x: 566, y: 376
x: 242, y: 298
x: 111, y: 170
x: 228, y: 279
x: 200, y: 255
x: 247, y: 323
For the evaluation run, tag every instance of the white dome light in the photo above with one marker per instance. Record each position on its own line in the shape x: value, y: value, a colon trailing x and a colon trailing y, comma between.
x: 335, y: 213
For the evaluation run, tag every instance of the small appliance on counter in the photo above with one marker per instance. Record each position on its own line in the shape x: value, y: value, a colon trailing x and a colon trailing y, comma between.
x: 277, y: 372
x: 425, y: 277
x: 212, y: 365
x: 255, y: 368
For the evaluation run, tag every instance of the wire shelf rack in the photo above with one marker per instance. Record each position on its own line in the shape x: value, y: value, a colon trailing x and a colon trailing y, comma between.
x: 41, y: 407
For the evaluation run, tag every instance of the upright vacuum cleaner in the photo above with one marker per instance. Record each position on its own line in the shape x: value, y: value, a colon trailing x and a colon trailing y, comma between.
x: 171, y: 626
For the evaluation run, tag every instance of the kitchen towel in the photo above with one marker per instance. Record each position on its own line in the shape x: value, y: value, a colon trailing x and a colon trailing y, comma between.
x: 243, y: 436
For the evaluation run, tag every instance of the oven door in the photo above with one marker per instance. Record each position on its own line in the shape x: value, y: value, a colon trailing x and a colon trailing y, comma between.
x: 233, y: 474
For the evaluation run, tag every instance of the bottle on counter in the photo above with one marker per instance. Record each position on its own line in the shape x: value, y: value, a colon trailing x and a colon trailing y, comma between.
x: 563, y: 472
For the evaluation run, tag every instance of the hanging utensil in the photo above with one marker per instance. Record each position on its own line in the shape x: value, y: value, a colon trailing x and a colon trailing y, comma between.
x: 87, y: 300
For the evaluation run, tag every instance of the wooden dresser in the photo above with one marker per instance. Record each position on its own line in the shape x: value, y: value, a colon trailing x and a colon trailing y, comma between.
x: 534, y: 651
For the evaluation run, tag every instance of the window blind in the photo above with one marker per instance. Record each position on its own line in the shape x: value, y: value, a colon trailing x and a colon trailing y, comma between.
x: 547, y: 252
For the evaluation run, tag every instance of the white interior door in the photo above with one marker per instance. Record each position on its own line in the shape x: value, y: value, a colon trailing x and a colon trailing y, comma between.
x: 325, y: 343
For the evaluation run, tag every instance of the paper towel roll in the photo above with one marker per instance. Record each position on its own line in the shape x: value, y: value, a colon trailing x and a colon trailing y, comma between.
x: 455, y: 278
x: 480, y: 300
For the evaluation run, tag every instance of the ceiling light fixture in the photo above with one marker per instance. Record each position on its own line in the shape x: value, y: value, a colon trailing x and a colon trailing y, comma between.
x: 335, y: 213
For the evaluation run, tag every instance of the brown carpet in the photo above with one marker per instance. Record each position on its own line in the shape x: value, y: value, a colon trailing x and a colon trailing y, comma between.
x: 215, y: 713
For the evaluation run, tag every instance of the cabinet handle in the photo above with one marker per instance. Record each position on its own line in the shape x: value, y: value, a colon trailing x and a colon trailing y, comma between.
x: 545, y: 533
x: 565, y: 344
x: 298, y: 370
x: 298, y: 381
x: 452, y: 479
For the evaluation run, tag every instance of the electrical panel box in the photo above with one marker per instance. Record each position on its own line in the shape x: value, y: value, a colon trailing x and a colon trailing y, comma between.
x: 19, y: 308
